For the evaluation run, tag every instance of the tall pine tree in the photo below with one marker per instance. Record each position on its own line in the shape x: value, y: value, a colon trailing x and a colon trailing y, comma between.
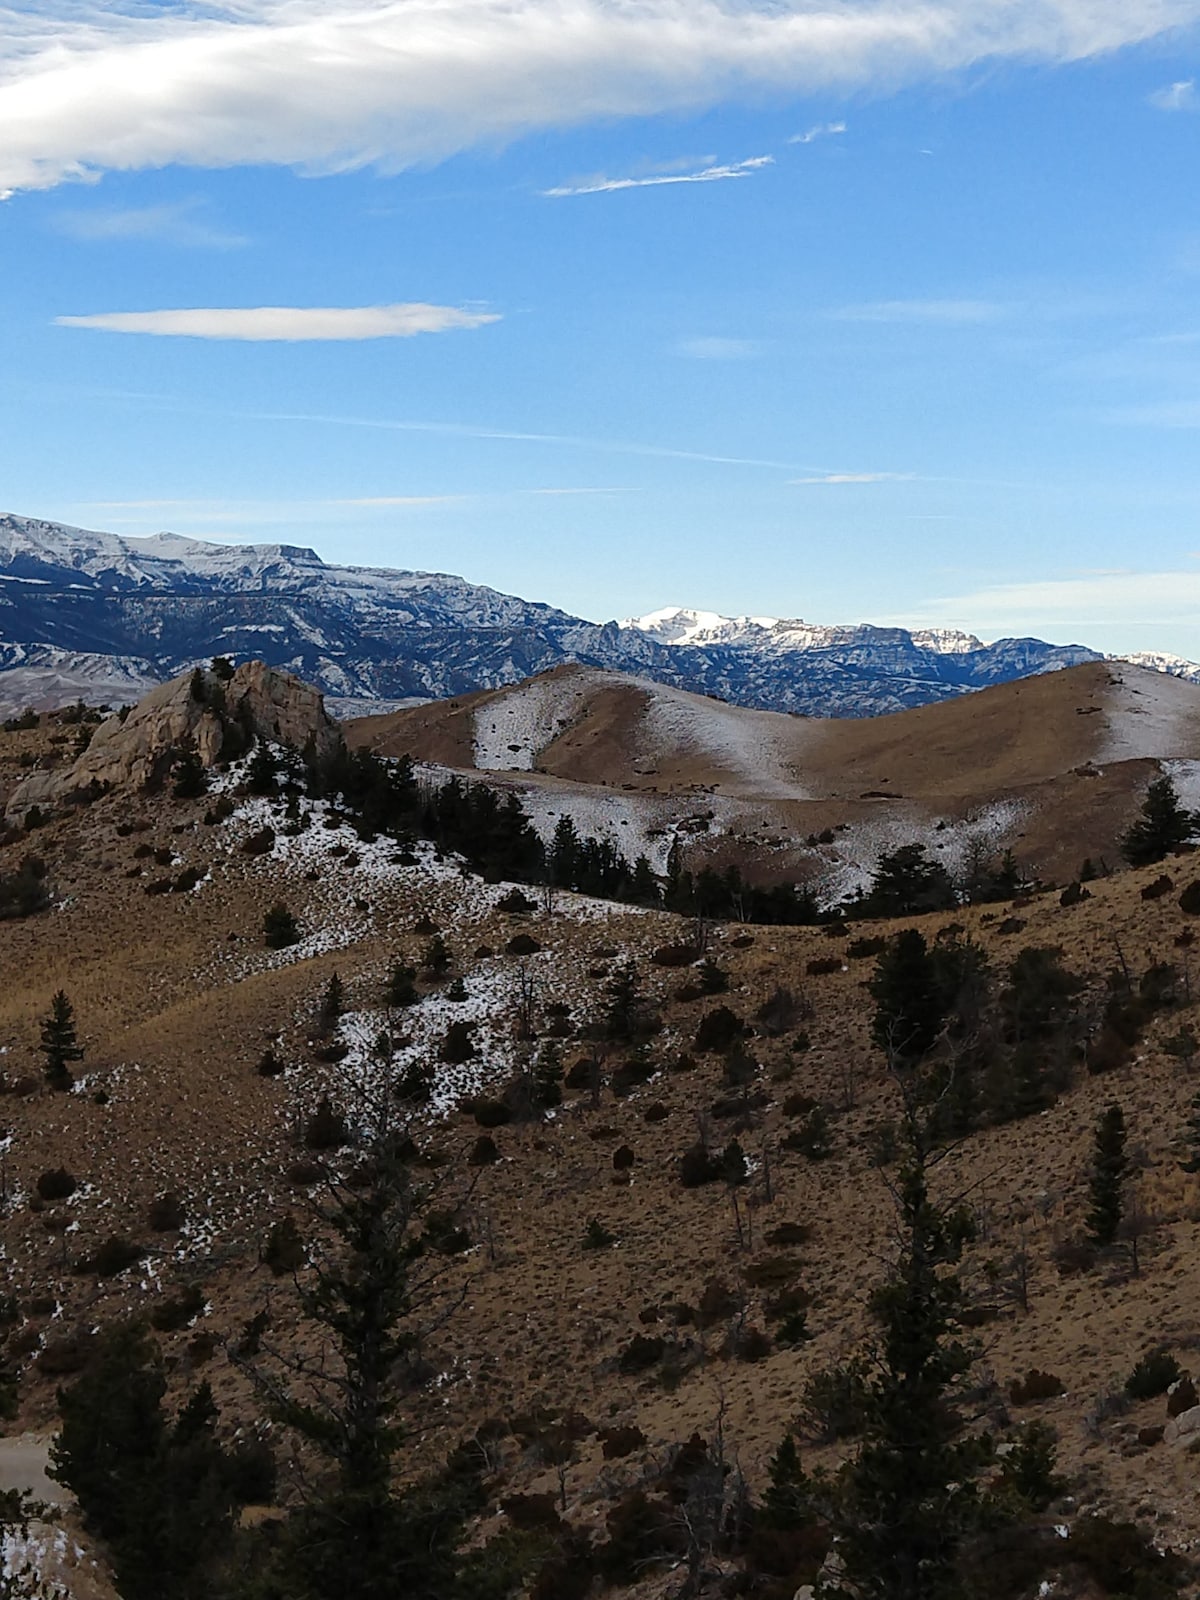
x: 59, y: 1045
x: 1162, y: 825
x: 1110, y: 1165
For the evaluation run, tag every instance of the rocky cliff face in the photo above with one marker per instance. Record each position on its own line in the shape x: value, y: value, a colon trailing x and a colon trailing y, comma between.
x: 258, y: 700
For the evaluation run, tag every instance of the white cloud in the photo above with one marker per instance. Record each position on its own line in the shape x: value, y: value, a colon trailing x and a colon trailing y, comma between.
x: 822, y: 130
x: 854, y: 477
x: 287, y: 323
x: 177, y: 224
x: 713, y: 174
x: 1084, y: 600
x: 327, y: 85
x: 945, y: 311
x: 716, y: 349
x: 1180, y: 96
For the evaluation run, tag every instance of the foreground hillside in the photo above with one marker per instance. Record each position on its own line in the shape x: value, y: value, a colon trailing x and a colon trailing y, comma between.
x: 591, y: 1311
x: 1050, y: 766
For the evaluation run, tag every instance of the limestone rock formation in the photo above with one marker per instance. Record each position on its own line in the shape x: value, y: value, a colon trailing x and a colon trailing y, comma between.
x: 190, y: 712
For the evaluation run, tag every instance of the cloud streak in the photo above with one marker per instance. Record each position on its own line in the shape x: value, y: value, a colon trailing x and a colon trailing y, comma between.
x: 714, y: 174
x: 88, y: 86
x: 1177, y: 97
x: 177, y: 224
x: 948, y: 312
x: 823, y: 130
x: 290, y: 324
x: 1149, y: 599
x: 853, y: 477
x: 719, y: 349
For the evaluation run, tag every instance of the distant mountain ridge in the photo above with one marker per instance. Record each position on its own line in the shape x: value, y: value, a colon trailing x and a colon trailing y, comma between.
x: 105, y: 616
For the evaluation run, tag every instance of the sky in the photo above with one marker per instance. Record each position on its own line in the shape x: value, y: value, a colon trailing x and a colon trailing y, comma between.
x: 849, y: 310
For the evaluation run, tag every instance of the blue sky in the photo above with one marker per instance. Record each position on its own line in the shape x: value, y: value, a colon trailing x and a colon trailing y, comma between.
x: 886, y: 311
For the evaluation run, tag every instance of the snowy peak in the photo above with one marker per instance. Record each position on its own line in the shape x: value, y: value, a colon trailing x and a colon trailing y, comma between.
x: 682, y: 625
x: 162, y: 562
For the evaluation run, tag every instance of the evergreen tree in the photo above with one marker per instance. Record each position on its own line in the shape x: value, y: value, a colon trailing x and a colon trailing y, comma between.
x: 158, y: 1493
x: 906, y: 883
x: 910, y: 1005
x: 1110, y: 1165
x: 1163, y: 825
x: 623, y: 1001
x: 548, y: 1076
x: 262, y: 770
x: 198, y: 687
x: 788, y: 1501
x: 333, y: 1003
x: 644, y: 889
x: 907, y: 1500
x: 564, y: 854
x: 401, y: 986
x: 354, y: 1533
x: 1192, y: 1164
x: 436, y: 958
x: 59, y: 1044
x: 191, y: 780
x: 280, y: 927
x: 222, y: 668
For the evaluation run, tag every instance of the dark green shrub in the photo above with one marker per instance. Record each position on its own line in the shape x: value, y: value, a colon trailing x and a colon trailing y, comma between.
x: 167, y: 1212
x: 1035, y: 1387
x: 112, y: 1257
x: 1153, y: 1375
x: 1028, y: 1468
x: 326, y: 1128
x: 834, y: 1401
x: 284, y: 1251
x: 280, y: 928
x: 175, y: 1311
x: 57, y: 1184
x: 719, y: 1030
x: 641, y: 1353
x: 25, y: 892
x: 458, y: 1046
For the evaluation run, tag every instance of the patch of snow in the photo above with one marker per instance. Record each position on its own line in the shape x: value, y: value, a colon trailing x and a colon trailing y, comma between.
x: 1185, y: 775
x: 1150, y: 715
x: 515, y: 725
x: 850, y: 862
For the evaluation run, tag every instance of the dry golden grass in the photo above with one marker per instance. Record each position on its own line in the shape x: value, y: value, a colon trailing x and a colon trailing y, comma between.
x: 176, y: 1001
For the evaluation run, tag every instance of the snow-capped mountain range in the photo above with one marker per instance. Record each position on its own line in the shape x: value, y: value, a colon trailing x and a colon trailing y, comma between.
x: 105, y: 616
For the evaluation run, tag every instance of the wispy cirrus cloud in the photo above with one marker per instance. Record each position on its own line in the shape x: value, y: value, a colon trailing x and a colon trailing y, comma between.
x: 853, y: 477
x: 718, y: 349
x: 949, y: 312
x: 88, y: 86
x: 1148, y: 599
x: 182, y: 223
x: 822, y: 130
x: 717, y: 173
x: 1179, y: 96
x: 291, y: 324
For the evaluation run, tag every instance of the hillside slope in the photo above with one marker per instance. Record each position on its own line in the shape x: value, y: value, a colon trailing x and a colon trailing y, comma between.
x: 1050, y: 766
x: 177, y: 1000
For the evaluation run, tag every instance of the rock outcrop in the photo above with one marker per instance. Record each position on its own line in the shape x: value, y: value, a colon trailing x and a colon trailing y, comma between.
x: 195, y: 711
